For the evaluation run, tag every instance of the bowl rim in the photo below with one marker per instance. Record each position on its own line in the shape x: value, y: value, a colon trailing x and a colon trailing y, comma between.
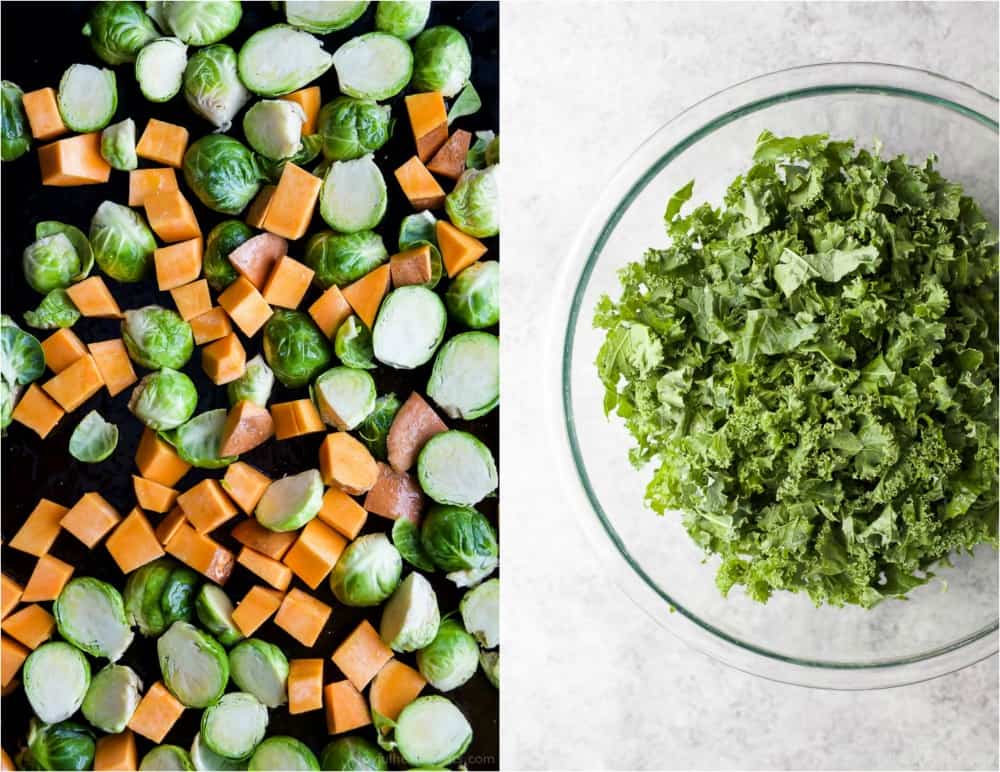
x: 640, y: 167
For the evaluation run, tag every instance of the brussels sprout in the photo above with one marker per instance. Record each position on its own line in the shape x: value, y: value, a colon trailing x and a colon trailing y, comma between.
x: 76, y: 238
x: 273, y: 127
x: 93, y: 439
x: 207, y: 760
x: 122, y: 241
x: 281, y: 59
x: 373, y: 66
x: 56, y: 310
x: 90, y: 614
x: 342, y: 258
x: 451, y: 659
x: 118, y: 145
x: 441, y: 61
x: 417, y: 229
x: 410, y: 619
x: 456, y: 468
x: 65, y: 745
x: 474, y: 296
x: 50, y: 263
x: 353, y: 344
x: 21, y: 357
x: 159, y: 594
x: 157, y: 337
x: 198, y: 439
x: 112, y: 698
x: 118, y: 31
x: 215, y: 612
x: 234, y: 726
x: 291, y: 502
x: 159, y: 69
x: 204, y: 22
x: 367, y: 572
x: 282, y: 752
x: 16, y: 133
x: 473, y: 205
x: 403, y: 18
x: 485, y: 151
x: 194, y: 665
x: 88, y: 97
x: 8, y: 396
x: 345, y: 397
x: 466, y: 103
x: 465, y: 380
x: 324, y: 17
x: 431, y: 732
x: 409, y: 327
x: 353, y: 196
x: 222, y: 172
x: 375, y: 428
x: 164, y: 399
x: 294, y: 347
x: 480, y: 609
x: 212, y: 86
x: 309, y: 148
x: 222, y: 240
x: 254, y: 385
x: 462, y: 541
x: 352, y: 128
x: 406, y: 539
x: 56, y: 678
x: 353, y: 753
x: 490, y: 662
x: 166, y: 757
x: 261, y: 669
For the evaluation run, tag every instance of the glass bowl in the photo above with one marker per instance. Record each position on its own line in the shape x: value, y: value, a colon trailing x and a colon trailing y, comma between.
x: 946, y: 625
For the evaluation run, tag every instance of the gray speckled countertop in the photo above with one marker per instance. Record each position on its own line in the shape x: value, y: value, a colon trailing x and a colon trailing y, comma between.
x: 589, y: 680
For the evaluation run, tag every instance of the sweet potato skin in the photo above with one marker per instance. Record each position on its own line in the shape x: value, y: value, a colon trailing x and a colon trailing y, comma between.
x: 415, y: 423
x: 247, y: 426
x: 395, y: 495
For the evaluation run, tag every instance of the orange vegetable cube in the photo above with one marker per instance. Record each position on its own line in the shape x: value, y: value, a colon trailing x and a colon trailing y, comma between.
x: 346, y: 709
x: 143, y: 183
x: 32, y: 626
x: 200, y: 552
x: 76, y: 384
x: 291, y: 207
x: 47, y: 580
x: 245, y: 485
x: 419, y: 185
x: 192, y: 299
x: 315, y: 553
x: 10, y: 595
x: 163, y: 142
x: 458, y: 250
x: 13, y: 656
x: 245, y: 306
x: 305, y: 685
x: 273, y: 544
x: 90, y: 519
x: 93, y: 298
x: 6, y: 763
x: 152, y: 495
x: 309, y: 100
x: 114, y: 364
x: 116, y: 752
x: 62, y: 348
x: 225, y: 360
x: 170, y: 525
x: 302, y: 616
x: 67, y: 163
x: 288, y: 282
x: 257, y: 211
x: 158, y: 461
x: 42, y: 111
x: 395, y: 495
x: 156, y: 713
x: 449, y: 160
x: 411, y: 267
x: 38, y: 533
x: 178, y: 264
x: 346, y: 463
x: 342, y: 513
x: 429, y: 122
x: 206, y: 505
x: 361, y: 655
x: 211, y: 325
x: 276, y: 574
x: 295, y: 418
x: 37, y: 411
x: 172, y: 218
x: 257, y: 606
x: 329, y: 311
x: 396, y: 686
x: 255, y: 257
x: 133, y: 543
x: 366, y: 294
x: 247, y: 426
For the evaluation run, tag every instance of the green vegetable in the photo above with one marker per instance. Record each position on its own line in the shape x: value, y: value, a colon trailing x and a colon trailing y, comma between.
x: 367, y: 572
x: 323, y: 17
x: 294, y: 347
x: 409, y: 327
x: 76, y: 238
x: 466, y: 103
x: 222, y: 240
x: 410, y: 619
x: 282, y: 752
x: 21, y: 357
x: 8, y: 396
x: 16, y: 132
x: 431, y: 732
x: 159, y: 594
x: 812, y: 369
x: 473, y: 298
x: 118, y: 145
x: 261, y: 669
x: 273, y: 127
x: 56, y: 678
x: 451, y: 659
x: 194, y: 665
x: 215, y: 612
x: 66, y: 745
x: 212, y: 85
x: 480, y: 609
x: 112, y: 698
x: 197, y: 440
x: 122, y: 241
x: 160, y: 67
x: 465, y: 380
x: 280, y: 59
x: 157, y: 337
x: 441, y: 61
x: 50, y: 263
x: 90, y: 614
x: 473, y: 205
x: 353, y: 344
x: 222, y: 172
x: 118, y: 31
x: 207, y: 760
x: 56, y: 310
x: 403, y: 18
x: 416, y: 229
x: 342, y: 258
x: 373, y: 66
x: 485, y: 151
x: 344, y: 396
x: 374, y: 430
x: 204, y: 22
x: 352, y: 753
x: 406, y: 539
x: 460, y: 540
x: 254, y: 385
x: 456, y: 468
x: 164, y: 399
x: 489, y: 661
x: 166, y: 757
x: 88, y: 97
x: 291, y: 502
x: 234, y: 726
x: 93, y: 439
x: 352, y: 128
x: 353, y: 196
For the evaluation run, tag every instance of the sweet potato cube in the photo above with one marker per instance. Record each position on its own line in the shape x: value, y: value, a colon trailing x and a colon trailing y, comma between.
x: 91, y: 518
x: 295, y: 418
x: 346, y: 708
x: 163, y: 142
x: 156, y: 713
x: 361, y: 655
x: 449, y: 160
x: 247, y: 426
x: 67, y: 163
x: 143, y: 183
x: 133, y: 543
x: 414, y: 424
x: 114, y: 364
x: 315, y: 553
x: 206, y: 505
x: 178, y: 264
x: 330, y: 310
x: 116, y: 752
x: 411, y: 267
x: 419, y: 185
x: 93, y: 298
x: 76, y: 384
x: 346, y: 463
x: 47, y: 580
x: 158, y: 461
x: 245, y: 485
x: 366, y: 294
x: 170, y: 525
x: 10, y: 595
x: 42, y: 111
x: 302, y: 616
x: 152, y: 495
x: 39, y: 531
x: 192, y: 299
x: 428, y: 121
x: 211, y: 325
x: 201, y: 552
x: 252, y: 534
x: 37, y: 411
x: 62, y: 348
x: 288, y: 282
x: 342, y: 513
x: 309, y: 100
x: 394, y: 687
x: 245, y: 306
x: 257, y: 210
x: 305, y: 685
x: 255, y: 258
x: 13, y: 656
x: 292, y: 205
x: 458, y: 250
x: 32, y: 626
x: 6, y: 763
x: 395, y: 495
x: 257, y: 606
x: 172, y: 218
x: 225, y: 360
x: 276, y: 574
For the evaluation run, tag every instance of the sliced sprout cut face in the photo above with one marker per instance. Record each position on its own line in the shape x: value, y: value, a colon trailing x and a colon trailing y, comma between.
x: 194, y: 666
x: 373, y: 66
x: 94, y: 439
x: 325, y: 16
x: 285, y: 753
x: 291, y: 502
x: 345, y: 397
x: 88, y: 97
x: 456, y: 468
x: 56, y: 677
x: 465, y: 380
x: 235, y: 725
x: 159, y: 68
x: 261, y: 669
x: 207, y: 760
x: 112, y: 698
x: 90, y: 614
x: 480, y: 609
x: 432, y: 732
x: 166, y: 757
x: 281, y: 59
x: 273, y: 127
x: 353, y: 196
x: 410, y: 619
x: 409, y: 327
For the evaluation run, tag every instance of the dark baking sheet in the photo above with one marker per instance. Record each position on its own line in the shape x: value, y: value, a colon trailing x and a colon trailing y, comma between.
x: 34, y: 468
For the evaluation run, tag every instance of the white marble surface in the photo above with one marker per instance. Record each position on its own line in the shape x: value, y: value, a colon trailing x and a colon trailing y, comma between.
x: 589, y: 680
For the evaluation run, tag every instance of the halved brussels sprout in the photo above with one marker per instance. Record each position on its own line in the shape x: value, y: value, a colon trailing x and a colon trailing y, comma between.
x: 485, y: 151
x: 460, y: 540
x: 93, y: 439
x: 118, y: 31
x: 222, y: 240
x: 56, y: 678
x: 280, y: 59
x: 65, y: 745
x: 16, y: 132
x: 353, y: 196
x: 291, y: 502
x: 212, y: 85
x: 254, y: 385
x: 159, y: 69
x: 159, y: 594
x: 204, y: 22
x: 325, y: 16
x: 466, y: 103
x: 431, y: 732
x: 90, y: 614
x: 261, y: 669
x: 406, y: 539
x: 473, y: 205
x: 50, y: 263
x: 273, y: 127
x: 352, y: 128
x: 157, y: 337
x: 353, y: 753
x: 342, y: 258
x: 112, y: 698
x: 490, y: 662
x: 56, y: 310
x: 164, y: 399
x: 222, y: 172
x: 410, y: 619
x: 416, y: 229
x: 345, y: 397
x: 441, y: 61
x: 373, y: 66
x: 308, y: 149
x: 8, y: 396
x: 234, y: 726
x: 198, y: 439
x: 353, y: 344
x: 294, y: 347
x: 456, y: 468
x: 465, y: 380
x: 194, y: 665
x: 367, y: 572
x: 480, y: 609
x: 166, y: 757
x: 409, y: 327
x: 403, y: 18
x: 76, y: 238
x: 122, y: 241
x: 118, y: 145
x: 88, y: 97
x: 207, y: 760
x: 374, y: 430
x: 474, y: 296
x: 215, y: 612
x: 281, y: 752
x: 451, y: 659
x: 22, y: 359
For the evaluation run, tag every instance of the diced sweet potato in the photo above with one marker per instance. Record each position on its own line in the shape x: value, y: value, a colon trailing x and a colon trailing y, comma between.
x: 39, y: 531
x: 200, y: 552
x: 302, y: 616
x: 62, y: 348
x: 114, y: 364
x: 172, y: 218
x: 158, y: 461
x: 449, y: 160
x: 305, y: 685
x: 6, y: 763
x: 257, y: 606
x: 346, y: 463
x: 366, y: 294
x: 342, y: 513
x: 13, y: 656
x: 255, y: 258
x: 276, y: 574
x: 288, y: 282
x: 419, y: 185
x: 170, y: 524
x: 309, y: 100
x: 295, y: 418
x: 361, y: 655
x: 143, y: 183
x: 252, y: 534
x: 396, y: 686
x: 411, y: 267
x: 192, y: 300
x: 93, y: 298
x: 245, y: 485
x: 395, y: 495
x: 76, y: 384
x: 178, y: 264
x: 152, y: 495
x: 330, y: 310
x: 458, y: 250
x: 67, y: 163
x: 206, y: 505
x: 292, y: 205
x: 37, y: 411
x: 345, y: 708
x: 133, y: 543
x: 47, y: 580
x: 211, y: 325
x: 224, y: 361
x: 245, y: 306
x: 315, y: 553
x: 116, y: 752
x: 257, y: 210
x: 156, y: 713
x: 42, y: 111
x: 163, y: 142
x: 32, y: 626
x: 10, y: 595
x: 247, y: 426
x: 428, y: 121
x: 90, y: 519
x: 414, y: 424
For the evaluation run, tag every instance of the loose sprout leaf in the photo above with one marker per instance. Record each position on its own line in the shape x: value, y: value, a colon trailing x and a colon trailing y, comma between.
x: 353, y: 344
x: 93, y: 439
x: 77, y: 238
x: 466, y: 103
x: 677, y: 201
x: 56, y: 310
x: 16, y: 139
x: 416, y: 229
x: 374, y: 430
x: 406, y: 538
x: 476, y: 157
x: 21, y: 357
